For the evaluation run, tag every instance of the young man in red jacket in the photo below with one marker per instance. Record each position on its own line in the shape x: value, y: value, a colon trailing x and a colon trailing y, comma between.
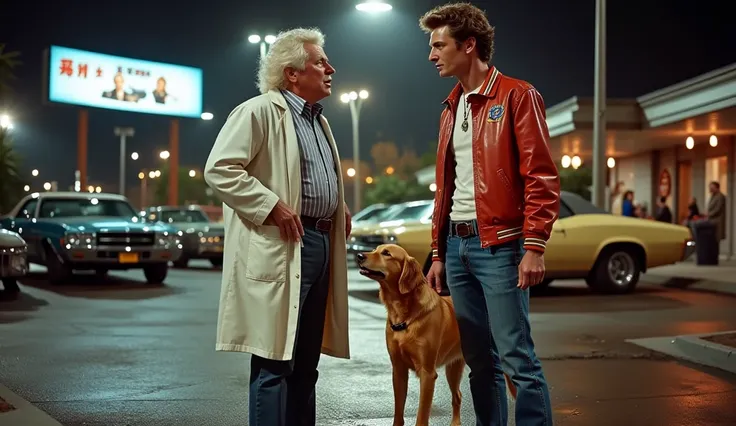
x: 497, y: 198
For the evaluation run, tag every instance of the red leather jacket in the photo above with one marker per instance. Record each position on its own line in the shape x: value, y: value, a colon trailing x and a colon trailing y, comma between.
x: 517, y: 186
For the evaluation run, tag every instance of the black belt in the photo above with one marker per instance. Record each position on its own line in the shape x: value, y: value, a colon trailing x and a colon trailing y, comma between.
x: 324, y: 225
x: 463, y: 229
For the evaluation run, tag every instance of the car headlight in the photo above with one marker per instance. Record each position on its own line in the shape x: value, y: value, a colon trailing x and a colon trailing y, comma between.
x: 77, y: 239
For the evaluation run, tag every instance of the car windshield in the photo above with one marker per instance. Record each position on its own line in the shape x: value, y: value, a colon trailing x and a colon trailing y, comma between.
x: 82, y: 207
x: 175, y: 216
x: 579, y: 205
x: 409, y: 212
x: 370, y: 215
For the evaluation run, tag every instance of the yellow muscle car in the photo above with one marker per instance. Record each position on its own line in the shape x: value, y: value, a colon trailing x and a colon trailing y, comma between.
x: 608, y: 251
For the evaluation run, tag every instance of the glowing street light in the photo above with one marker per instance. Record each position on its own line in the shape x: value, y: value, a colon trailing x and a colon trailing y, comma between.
x: 373, y: 6
x: 355, y: 100
x: 264, y: 43
x: 192, y: 173
x: 134, y: 156
x: 47, y: 186
x: 351, y: 172
x: 98, y: 189
x: 164, y: 155
x: 27, y: 188
x: 34, y: 172
x: 207, y: 116
x: 5, y: 122
x: 152, y: 174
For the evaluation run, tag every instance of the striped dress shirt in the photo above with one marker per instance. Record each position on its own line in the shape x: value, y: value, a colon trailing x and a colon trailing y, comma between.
x: 319, y: 177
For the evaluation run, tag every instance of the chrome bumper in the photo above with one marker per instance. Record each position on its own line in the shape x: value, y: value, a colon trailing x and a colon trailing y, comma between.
x: 689, y: 250
x: 128, y: 256
x: 13, y: 262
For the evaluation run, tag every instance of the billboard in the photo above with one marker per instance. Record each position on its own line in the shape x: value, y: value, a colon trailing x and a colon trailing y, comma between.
x: 79, y: 77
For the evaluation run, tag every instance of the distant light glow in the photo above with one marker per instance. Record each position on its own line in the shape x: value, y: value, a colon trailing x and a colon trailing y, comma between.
x: 255, y: 38
x: 373, y: 6
x: 207, y: 116
x: 270, y: 39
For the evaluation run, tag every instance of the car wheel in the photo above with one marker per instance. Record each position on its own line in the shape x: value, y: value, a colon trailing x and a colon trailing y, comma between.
x: 58, y: 273
x: 181, y: 262
x: 10, y: 285
x: 156, y: 274
x: 616, y: 272
x: 216, y: 262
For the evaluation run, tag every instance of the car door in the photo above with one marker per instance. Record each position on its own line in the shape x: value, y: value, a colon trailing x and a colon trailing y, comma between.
x: 22, y: 224
x: 556, y: 253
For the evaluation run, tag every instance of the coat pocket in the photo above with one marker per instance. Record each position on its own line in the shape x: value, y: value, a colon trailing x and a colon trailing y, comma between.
x: 267, y: 255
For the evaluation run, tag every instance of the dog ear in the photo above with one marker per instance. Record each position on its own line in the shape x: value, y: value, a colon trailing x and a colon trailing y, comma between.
x: 411, y: 275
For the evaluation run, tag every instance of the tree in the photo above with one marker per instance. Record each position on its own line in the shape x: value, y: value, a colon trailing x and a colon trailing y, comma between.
x: 391, y: 189
x: 577, y: 181
x: 385, y: 154
x: 8, y: 62
x: 11, y: 183
x: 408, y: 164
x: 192, y: 190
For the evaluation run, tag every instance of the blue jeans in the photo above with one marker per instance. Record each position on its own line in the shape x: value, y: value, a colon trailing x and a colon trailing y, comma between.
x: 282, y: 393
x: 493, y: 316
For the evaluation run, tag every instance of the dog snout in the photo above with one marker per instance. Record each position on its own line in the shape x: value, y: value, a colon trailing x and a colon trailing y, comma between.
x: 360, y: 257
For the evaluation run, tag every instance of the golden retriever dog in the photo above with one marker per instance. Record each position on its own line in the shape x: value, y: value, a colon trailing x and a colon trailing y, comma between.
x: 421, y: 330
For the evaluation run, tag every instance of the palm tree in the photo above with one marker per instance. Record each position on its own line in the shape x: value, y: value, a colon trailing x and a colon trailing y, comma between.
x: 8, y: 62
x: 11, y: 183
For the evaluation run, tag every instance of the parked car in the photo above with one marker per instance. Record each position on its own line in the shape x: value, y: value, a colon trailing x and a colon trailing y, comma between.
x: 68, y: 231
x: 388, y: 224
x: 369, y: 214
x: 13, y: 259
x: 608, y: 251
x: 201, y: 238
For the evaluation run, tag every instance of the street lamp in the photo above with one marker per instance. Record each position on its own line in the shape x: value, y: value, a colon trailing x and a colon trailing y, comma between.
x: 373, y: 6
x: 268, y: 40
x: 207, y: 116
x: 5, y: 122
x: 34, y: 172
x: 123, y: 132
x: 599, y: 107
x: 134, y: 156
x: 164, y: 155
x: 355, y: 99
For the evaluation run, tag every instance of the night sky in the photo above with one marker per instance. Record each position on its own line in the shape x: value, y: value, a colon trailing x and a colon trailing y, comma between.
x: 651, y: 44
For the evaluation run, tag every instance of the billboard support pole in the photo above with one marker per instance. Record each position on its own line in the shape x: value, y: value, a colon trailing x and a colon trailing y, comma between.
x: 82, y: 126
x: 123, y: 132
x: 174, y: 162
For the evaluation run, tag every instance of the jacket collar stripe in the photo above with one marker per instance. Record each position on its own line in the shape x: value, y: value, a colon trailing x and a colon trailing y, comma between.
x: 485, y: 89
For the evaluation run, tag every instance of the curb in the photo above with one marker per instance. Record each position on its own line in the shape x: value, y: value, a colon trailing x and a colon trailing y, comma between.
x: 693, y: 349
x: 692, y: 284
x: 24, y: 413
x: 708, y: 353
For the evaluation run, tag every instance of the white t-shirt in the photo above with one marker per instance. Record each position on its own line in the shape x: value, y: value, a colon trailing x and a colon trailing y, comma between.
x: 463, y: 199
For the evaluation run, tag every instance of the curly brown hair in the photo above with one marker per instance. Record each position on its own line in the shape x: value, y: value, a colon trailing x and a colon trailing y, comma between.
x: 464, y: 20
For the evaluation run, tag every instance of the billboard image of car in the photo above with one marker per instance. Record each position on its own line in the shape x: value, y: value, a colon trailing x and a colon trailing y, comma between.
x: 83, y: 78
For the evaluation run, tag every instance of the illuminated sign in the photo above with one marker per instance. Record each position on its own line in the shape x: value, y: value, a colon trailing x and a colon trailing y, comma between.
x: 79, y: 77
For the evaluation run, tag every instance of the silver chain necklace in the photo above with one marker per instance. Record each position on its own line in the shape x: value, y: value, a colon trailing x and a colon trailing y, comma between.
x: 466, y: 112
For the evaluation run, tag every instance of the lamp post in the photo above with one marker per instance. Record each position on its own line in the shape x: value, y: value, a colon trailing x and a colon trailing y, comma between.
x: 123, y: 133
x: 355, y: 99
x: 599, y: 107
x: 267, y: 40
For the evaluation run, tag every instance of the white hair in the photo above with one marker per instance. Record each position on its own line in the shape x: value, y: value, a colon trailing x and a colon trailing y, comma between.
x: 287, y: 51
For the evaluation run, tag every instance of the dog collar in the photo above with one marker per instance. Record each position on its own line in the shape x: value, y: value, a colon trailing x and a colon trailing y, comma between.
x: 399, y: 327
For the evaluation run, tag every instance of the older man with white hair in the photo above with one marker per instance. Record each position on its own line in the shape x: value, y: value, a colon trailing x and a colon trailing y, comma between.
x: 276, y: 168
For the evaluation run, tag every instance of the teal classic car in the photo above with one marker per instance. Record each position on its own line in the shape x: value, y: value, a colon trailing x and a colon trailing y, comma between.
x: 68, y: 231
x: 201, y: 238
